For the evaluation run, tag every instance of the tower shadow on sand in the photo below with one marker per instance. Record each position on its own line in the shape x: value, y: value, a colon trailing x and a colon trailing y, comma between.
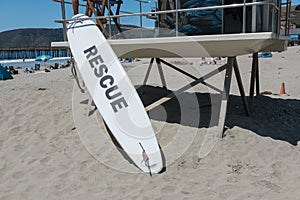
x: 276, y: 118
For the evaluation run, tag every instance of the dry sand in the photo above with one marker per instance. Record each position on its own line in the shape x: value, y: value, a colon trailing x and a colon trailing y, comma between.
x: 42, y: 155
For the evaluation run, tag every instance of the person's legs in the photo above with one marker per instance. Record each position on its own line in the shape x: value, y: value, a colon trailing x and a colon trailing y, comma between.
x: 75, y: 5
x: 89, y: 8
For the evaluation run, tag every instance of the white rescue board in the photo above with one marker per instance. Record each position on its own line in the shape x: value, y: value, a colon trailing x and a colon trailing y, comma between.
x: 114, y: 94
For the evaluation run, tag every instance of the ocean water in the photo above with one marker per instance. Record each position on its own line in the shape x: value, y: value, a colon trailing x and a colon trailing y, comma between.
x: 31, y: 62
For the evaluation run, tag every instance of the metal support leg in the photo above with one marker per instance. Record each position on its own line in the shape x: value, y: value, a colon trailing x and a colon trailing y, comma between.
x: 254, y: 75
x: 148, y: 71
x: 218, y: 132
x: 257, y: 78
x: 240, y: 85
x: 225, y: 95
x: 63, y: 12
x: 161, y: 73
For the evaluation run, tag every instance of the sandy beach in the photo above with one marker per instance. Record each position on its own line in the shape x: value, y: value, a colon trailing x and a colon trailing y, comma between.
x: 46, y: 153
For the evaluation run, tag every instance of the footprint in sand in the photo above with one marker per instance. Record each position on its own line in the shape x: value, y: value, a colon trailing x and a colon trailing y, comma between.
x: 2, y: 164
x: 18, y: 175
x: 267, y: 184
x: 13, y: 131
x: 31, y: 161
x: 45, y: 160
x: 168, y: 189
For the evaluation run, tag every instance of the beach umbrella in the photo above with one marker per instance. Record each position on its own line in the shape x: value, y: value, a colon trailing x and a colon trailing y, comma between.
x: 43, y: 58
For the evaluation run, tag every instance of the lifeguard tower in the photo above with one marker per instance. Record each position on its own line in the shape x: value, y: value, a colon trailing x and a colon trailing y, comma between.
x: 194, y: 28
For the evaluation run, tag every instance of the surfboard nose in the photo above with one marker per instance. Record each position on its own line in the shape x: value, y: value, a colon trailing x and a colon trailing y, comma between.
x: 78, y: 16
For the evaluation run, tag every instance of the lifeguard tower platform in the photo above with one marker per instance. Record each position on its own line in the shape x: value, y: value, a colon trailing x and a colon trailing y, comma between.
x: 194, y: 28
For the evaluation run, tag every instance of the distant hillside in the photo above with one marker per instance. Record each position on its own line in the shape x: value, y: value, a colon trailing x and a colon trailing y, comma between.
x: 40, y: 37
x: 30, y: 37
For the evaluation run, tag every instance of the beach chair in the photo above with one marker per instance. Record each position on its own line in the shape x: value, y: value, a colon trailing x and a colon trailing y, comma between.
x: 12, y: 70
x: 55, y: 66
x: 37, y: 67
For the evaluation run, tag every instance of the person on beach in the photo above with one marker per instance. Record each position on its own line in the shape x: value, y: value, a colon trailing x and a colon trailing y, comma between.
x: 88, y: 10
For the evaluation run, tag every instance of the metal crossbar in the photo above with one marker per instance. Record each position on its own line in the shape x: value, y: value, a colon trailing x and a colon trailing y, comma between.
x: 189, y: 75
x: 184, y: 88
x: 229, y: 66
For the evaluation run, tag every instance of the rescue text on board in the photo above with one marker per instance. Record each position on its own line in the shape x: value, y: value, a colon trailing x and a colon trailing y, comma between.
x: 112, y: 92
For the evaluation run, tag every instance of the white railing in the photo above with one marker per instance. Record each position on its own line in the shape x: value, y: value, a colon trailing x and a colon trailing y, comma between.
x: 264, y: 16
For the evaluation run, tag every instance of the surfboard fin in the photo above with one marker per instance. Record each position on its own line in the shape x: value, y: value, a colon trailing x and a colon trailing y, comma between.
x: 92, y: 111
x: 146, y: 159
x: 92, y: 104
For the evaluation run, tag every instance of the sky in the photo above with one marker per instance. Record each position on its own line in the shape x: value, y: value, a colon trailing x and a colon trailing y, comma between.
x: 42, y: 13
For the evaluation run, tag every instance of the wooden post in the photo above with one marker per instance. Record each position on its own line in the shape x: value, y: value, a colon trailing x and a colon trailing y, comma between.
x: 63, y: 12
